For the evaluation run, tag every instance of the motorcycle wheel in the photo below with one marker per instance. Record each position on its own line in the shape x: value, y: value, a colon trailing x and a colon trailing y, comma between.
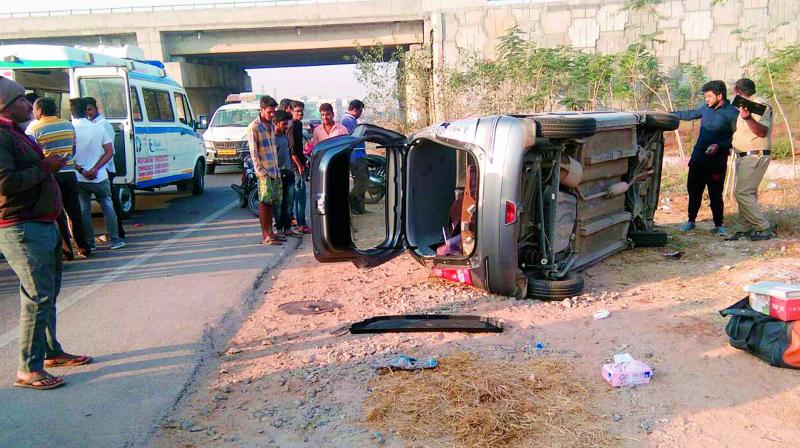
x: 373, y: 196
x: 252, y: 201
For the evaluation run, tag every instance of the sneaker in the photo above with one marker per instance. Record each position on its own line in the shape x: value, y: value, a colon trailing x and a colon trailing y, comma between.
x: 118, y: 245
x: 720, y: 230
x: 762, y: 235
x: 739, y: 236
x: 687, y: 226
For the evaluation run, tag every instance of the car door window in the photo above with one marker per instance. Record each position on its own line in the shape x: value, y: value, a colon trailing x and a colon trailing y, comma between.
x: 158, y: 105
x: 136, y: 105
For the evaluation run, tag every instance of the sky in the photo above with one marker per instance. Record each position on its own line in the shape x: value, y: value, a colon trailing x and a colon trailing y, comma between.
x: 288, y: 82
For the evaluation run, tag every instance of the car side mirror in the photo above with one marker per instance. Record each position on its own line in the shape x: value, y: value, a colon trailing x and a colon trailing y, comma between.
x: 203, y: 122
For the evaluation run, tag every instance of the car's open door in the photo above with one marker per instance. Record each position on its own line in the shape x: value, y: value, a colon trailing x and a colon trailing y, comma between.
x: 341, y: 232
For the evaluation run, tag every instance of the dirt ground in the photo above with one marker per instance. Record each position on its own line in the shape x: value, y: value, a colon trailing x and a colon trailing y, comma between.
x: 294, y: 381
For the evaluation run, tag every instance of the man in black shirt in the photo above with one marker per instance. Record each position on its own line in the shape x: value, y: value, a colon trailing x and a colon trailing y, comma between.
x: 709, y: 161
x: 295, y: 134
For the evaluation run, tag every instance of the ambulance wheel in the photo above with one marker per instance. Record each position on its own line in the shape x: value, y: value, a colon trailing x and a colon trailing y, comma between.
x: 198, y: 179
x: 126, y: 198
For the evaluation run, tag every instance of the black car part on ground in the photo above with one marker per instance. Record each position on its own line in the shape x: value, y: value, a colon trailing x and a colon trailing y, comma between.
x: 415, y: 323
x: 648, y: 238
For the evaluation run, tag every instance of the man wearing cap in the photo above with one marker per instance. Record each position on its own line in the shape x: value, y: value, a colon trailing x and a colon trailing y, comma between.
x: 30, y: 203
x: 751, y: 143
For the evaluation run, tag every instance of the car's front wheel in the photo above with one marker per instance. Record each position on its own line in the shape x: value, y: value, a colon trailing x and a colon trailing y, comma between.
x: 547, y: 289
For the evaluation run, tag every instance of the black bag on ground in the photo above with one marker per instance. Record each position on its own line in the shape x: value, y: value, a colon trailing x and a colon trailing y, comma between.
x: 774, y: 341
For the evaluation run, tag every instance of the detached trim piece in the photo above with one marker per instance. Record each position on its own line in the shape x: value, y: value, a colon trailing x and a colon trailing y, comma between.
x: 415, y: 323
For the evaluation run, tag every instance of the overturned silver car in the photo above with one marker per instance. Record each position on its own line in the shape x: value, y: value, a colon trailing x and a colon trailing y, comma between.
x: 512, y: 204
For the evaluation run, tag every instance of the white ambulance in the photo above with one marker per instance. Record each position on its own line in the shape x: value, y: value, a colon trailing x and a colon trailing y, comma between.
x: 156, y: 142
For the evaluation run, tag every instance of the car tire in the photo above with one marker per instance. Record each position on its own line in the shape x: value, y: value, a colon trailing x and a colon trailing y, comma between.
x: 648, y: 238
x: 545, y: 289
x: 198, y: 179
x: 127, y: 200
x: 252, y: 201
x: 210, y: 168
x: 562, y: 126
x: 662, y: 121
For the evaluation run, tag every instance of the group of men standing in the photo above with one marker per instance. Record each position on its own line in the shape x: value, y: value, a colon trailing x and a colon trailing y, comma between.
x: 724, y: 127
x: 280, y: 161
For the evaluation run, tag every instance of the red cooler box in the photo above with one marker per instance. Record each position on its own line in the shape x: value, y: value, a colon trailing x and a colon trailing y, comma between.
x: 775, y: 299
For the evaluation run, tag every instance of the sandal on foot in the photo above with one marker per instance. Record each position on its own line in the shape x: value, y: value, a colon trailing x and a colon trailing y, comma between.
x: 271, y: 242
x: 42, y: 381
x: 67, y: 360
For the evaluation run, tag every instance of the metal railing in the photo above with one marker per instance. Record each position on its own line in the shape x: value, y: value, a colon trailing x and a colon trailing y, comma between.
x: 167, y: 8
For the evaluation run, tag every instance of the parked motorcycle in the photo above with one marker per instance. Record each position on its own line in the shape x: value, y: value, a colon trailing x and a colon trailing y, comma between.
x: 376, y: 187
x: 248, y: 190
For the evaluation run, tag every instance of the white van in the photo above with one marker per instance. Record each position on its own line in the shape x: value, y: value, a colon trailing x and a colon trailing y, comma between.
x: 156, y: 142
x: 226, y: 137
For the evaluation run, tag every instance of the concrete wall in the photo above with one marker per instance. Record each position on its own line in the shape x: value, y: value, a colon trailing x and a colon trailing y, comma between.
x: 692, y: 31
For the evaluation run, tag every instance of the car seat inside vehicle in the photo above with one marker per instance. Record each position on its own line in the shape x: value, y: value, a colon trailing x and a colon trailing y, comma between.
x: 441, y: 211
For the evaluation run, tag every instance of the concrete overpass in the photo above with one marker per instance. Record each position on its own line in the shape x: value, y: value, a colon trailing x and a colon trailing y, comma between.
x: 207, y: 49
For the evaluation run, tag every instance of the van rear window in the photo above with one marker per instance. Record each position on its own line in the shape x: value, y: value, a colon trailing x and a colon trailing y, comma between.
x: 109, y: 93
x: 158, y: 105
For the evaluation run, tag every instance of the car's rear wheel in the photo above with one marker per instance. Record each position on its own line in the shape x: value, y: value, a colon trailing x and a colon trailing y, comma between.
x: 563, y: 126
x: 648, y: 238
x: 546, y: 289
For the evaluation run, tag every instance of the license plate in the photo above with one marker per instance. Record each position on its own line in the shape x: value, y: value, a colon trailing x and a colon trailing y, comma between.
x: 227, y: 152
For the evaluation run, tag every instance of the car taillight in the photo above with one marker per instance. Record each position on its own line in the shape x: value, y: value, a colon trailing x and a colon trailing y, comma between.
x: 511, y: 212
x: 454, y: 275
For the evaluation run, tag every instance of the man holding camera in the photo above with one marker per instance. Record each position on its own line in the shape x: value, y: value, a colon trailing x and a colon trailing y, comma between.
x: 751, y: 143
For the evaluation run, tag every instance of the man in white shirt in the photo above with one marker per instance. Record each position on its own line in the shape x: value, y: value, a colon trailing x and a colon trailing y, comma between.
x: 93, y: 150
x: 94, y: 115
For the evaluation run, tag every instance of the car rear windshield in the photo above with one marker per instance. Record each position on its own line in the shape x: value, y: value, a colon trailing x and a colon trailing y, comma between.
x: 234, y: 117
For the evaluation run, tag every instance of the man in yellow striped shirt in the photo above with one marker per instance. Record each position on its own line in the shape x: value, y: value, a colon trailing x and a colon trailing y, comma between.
x: 57, y: 137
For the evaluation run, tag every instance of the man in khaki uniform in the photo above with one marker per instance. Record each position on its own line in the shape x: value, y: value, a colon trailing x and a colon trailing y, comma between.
x: 751, y: 143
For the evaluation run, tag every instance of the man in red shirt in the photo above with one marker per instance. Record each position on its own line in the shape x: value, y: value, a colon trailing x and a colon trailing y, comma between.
x: 30, y: 203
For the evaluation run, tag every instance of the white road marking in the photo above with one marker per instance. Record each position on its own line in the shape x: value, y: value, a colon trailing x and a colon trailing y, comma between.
x: 63, y: 304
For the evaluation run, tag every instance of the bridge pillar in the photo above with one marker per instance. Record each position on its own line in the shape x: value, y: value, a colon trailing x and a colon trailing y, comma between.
x: 414, y: 74
x: 151, y: 42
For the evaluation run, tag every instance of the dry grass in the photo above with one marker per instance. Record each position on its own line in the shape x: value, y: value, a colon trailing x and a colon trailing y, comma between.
x: 470, y: 402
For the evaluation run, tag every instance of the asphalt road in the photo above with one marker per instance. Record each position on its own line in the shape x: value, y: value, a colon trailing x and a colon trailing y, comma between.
x: 149, y: 314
